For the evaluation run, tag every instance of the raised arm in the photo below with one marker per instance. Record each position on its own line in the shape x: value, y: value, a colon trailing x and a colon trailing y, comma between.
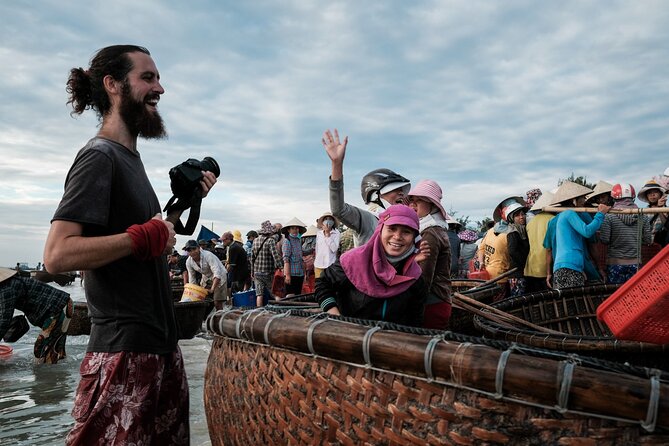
x: 336, y: 151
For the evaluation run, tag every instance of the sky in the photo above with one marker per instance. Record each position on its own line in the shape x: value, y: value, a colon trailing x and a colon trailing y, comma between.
x: 489, y: 99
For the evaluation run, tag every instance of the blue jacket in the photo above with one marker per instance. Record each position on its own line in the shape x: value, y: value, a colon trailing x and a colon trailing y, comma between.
x: 566, y: 237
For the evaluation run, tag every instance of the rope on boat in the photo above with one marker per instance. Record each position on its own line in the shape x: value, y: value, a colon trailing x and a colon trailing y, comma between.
x: 458, y: 358
x: 310, y: 334
x: 269, y: 322
x: 210, y: 320
x: 600, y: 364
x: 365, y: 345
x: 501, y: 367
x: 429, y: 354
x: 565, y: 386
x: 238, y: 328
x: 653, y: 402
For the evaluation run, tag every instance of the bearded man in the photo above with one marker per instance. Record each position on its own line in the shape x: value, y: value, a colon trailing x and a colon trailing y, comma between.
x: 133, y: 386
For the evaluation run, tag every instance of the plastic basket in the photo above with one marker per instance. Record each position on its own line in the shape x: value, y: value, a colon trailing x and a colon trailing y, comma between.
x: 248, y: 298
x: 639, y: 310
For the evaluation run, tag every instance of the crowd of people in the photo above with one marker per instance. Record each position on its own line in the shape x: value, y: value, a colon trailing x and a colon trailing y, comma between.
x: 350, y: 258
x: 393, y: 261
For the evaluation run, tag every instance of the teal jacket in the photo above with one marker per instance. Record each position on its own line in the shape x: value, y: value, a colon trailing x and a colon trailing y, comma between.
x: 567, y: 236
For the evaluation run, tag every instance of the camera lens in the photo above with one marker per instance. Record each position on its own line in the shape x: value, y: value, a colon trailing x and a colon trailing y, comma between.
x: 210, y: 164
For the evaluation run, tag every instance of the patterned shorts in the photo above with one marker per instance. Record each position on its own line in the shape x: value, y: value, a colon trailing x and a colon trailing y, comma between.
x: 620, y: 273
x: 263, y: 281
x: 127, y: 398
x: 567, y: 278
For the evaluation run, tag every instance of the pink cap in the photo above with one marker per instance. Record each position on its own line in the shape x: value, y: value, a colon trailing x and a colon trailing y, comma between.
x: 399, y: 214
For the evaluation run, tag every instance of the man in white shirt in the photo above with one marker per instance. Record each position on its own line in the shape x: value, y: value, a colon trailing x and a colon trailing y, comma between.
x: 206, y: 270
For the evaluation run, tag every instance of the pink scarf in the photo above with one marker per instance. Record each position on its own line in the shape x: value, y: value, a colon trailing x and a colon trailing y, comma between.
x: 370, y: 272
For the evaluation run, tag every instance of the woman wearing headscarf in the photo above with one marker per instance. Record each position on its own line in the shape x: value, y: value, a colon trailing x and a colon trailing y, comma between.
x: 518, y: 245
x: 621, y: 233
x: 380, y: 279
x: 425, y: 199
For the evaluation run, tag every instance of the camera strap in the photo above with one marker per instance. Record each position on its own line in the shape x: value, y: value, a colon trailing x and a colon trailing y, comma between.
x: 178, y: 205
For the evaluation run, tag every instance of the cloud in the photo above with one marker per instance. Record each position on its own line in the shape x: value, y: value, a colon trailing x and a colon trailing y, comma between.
x: 488, y: 99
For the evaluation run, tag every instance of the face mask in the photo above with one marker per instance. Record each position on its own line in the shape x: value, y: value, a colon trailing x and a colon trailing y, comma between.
x: 329, y: 223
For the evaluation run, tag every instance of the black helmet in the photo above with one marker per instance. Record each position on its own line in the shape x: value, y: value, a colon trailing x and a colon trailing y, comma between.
x: 379, y: 179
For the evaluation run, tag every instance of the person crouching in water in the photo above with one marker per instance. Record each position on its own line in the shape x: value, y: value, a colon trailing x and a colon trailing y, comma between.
x: 379, y: 280
x: 425, y: 199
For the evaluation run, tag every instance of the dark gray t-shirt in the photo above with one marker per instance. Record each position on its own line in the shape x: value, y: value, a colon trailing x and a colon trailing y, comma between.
x: 130, y: 301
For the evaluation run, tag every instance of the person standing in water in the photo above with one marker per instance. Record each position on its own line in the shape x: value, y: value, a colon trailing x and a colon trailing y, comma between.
x: 133, y: 386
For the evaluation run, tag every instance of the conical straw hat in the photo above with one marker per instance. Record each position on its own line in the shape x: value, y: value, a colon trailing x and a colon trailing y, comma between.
x: 602, y: 187
x: 6, y: 273
x: 312, y: 231
x: 544, y: 200
x: 569, y: 190
x: 294, y: 222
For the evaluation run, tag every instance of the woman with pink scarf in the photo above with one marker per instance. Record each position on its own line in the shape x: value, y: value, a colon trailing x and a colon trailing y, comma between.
x: 379, y: 280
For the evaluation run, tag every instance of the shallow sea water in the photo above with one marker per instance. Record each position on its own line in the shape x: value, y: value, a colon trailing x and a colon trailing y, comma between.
x: 36, y: 400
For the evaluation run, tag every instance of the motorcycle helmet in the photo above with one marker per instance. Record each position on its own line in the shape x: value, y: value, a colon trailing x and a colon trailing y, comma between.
x: 623, y: 190
x: 379, y: 182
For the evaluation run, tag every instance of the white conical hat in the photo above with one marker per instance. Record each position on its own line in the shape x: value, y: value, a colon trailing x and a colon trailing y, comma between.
x: 294, y: 222
x: 569, y: 190
x: 543, y: 201
x: 312, y: 231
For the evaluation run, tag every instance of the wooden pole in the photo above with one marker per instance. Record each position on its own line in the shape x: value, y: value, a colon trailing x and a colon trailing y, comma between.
x: 531, y: 379
x: 496, y: 279
x: 612, y: 211
x: 501, y: 314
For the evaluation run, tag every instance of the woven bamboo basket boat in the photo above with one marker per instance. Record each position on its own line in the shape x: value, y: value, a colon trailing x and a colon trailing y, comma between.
x: 189, y: 318
x: 462, y: 321
x: 289, y: 377
x: 572, y: 312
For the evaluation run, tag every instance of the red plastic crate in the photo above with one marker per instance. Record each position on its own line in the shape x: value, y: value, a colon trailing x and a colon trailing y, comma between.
x: 639, y: 310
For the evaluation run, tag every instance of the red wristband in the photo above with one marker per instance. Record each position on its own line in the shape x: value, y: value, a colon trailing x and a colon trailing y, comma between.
x: 149, y: 239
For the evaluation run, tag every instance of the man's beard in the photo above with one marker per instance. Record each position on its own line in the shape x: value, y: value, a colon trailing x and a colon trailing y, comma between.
x: 138, y: 119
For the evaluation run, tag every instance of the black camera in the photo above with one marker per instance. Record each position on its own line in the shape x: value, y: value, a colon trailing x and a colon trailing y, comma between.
x: 185, y: 183
x: 185, y: 178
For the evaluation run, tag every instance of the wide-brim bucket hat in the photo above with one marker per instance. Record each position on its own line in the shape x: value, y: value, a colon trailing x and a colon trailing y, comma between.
x: 602, y: 187
x: 266, y: 228
x: 543, y: 201
x: 497, y: 213
x: 320, y: 219
x: 302, y: 228
x: 237, y: 236
x: 570, y: 190
x: 431, y: 191
x: 650, y: 185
